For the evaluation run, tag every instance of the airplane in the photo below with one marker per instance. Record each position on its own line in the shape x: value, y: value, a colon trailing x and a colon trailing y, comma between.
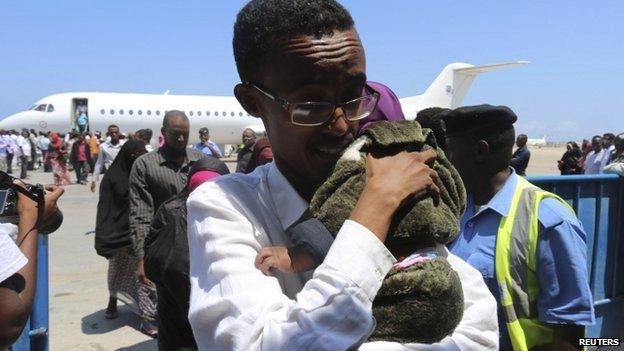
x: 537, y: 142
x: 223, y: 115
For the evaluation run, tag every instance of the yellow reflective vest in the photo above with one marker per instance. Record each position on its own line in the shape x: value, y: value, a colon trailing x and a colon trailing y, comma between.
x: 515, y: 265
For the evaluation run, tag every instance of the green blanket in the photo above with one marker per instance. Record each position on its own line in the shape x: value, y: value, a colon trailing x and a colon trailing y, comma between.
x: 423, y: 303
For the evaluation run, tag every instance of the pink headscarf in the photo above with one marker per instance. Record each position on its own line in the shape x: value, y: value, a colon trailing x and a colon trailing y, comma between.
x: 201, y: 177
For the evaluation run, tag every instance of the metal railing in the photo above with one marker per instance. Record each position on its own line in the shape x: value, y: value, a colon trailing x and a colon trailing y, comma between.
x: 598, y: 201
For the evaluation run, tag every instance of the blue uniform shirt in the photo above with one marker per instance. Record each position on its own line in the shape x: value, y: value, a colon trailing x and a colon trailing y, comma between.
x: 564, y: 295
x: 207, y: 150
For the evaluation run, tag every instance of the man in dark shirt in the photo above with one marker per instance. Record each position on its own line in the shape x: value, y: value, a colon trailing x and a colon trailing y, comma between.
x: 245, y: 153
x: 520, y: 158
x: 158, y: 176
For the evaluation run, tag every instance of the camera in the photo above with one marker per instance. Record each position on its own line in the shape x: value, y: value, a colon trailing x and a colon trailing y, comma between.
x: 8, y: 204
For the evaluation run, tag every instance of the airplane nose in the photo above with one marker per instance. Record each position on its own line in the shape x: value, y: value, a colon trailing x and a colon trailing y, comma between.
x: 15, y: 122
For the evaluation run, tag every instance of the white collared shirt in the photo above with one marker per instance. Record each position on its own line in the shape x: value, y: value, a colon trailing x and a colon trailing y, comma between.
x: 233, y: 306
x: 108, y: 153
x: 596, y: 162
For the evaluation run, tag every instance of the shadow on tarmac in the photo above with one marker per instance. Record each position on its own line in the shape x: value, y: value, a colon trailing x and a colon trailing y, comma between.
x: 96, y: 323
x: 142, y: 346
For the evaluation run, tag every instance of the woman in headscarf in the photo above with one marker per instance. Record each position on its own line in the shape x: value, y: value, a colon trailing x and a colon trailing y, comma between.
x: 572, y: 160
x: 112, y: 239
x: 57, y: 157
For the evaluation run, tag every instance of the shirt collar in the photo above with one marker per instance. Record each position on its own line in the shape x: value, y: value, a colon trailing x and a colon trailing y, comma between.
x: 501, y: 202
x: 288, y: 204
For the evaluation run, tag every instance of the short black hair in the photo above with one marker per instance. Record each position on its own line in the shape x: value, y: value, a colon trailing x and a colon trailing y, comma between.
x: 523, y: 137
x: 609, y: 136
x: 112, y: 126
x: 261, y: 24
x: 171, y: 115
x: 596, y: 137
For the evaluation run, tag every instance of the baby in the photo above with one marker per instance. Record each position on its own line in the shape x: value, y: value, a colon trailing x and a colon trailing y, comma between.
x: 420, y: 299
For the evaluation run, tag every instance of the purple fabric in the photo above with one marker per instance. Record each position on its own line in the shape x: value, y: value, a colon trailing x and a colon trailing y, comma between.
x: 388, y: 107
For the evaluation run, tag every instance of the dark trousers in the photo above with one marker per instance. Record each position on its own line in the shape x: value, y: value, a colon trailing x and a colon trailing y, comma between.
x: 81, y: 167
x: 24, y: 167
x: 9, y: 163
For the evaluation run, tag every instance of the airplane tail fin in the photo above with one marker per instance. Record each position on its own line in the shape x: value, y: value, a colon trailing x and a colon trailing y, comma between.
x: 451, y: 86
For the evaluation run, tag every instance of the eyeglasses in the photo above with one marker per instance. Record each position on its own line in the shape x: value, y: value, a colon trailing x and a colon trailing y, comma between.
x: 313, y: 114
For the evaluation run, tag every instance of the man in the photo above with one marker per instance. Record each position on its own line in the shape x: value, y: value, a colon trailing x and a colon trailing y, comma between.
x: 303, y: 75
x: 108, y: 152
x: 546, y: 300
x: 608, y: 141
x: 156, y: 177
x: 80, y: 158
x: 206, y: 145
x: 616, y: 161
x: 245, y: 152
x: 24, y: 152
x: 3, y: 151
x: 145, y: 135
x: 597, y: 159
x: 10, y: 138
x: 32, y: 164
x: 522, y: 155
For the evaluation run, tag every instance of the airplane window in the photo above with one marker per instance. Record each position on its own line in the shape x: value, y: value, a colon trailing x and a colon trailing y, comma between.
x: 199, y: 113
x: 140, y: 112
x: 41, y: 108
x: 224, y: 114
x: 50, y: 108
x: 102, y: 111
x: 232, y: 113
x: 149, y: 112
x: 191, y: 113
x: 112, y: 112
x: 216, y: 113
x: 157, y: 112
x: 121, y: 112
x: 130, y: 112
x: 32, y: 107
x: 207, y: 113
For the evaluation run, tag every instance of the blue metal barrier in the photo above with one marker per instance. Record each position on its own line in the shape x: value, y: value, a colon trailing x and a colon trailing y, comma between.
x: 599, y: 204
x: 35, y: 335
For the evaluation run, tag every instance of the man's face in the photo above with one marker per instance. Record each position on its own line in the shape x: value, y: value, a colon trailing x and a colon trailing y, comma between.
x: 249, y: 138
x: 607, y: 141
x: 597, y: 144
x: 113, y: 133
x: 521, y: 141
x: 204, y: 137
x: 460, y: 151
x: 328, y: 69
x: 176, y: 133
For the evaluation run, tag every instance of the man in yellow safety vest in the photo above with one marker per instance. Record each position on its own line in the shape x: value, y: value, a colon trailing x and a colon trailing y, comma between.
x: 527, y: 243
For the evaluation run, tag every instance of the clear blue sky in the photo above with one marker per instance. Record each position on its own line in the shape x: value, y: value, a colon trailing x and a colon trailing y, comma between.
x: 572, y: 88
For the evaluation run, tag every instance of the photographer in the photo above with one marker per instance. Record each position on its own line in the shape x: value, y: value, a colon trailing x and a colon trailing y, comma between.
x: 18, y: 261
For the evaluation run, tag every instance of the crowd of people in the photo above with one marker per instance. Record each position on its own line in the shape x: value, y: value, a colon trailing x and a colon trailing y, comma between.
x: 241, y: 261
x: 604, y: 154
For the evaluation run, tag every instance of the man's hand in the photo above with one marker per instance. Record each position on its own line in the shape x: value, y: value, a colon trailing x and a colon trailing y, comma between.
x: 27, y: 208
x: 93, y: 186
x: 141, y: 273
x: 273, y: 257
x: 390, y: 182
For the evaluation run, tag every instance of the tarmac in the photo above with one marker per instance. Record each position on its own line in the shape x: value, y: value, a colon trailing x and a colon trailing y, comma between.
x: 78, y: 288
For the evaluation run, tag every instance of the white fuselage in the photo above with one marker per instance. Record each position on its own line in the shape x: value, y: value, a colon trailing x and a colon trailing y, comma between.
x: 223, y: 116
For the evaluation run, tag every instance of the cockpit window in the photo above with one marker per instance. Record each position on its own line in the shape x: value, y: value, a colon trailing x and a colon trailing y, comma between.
x: 50, y: 108
x: 32, y: 107
x: 41, y: 108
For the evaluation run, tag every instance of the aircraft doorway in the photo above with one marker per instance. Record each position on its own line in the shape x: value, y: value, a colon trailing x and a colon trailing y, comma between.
x: 80, y: 115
